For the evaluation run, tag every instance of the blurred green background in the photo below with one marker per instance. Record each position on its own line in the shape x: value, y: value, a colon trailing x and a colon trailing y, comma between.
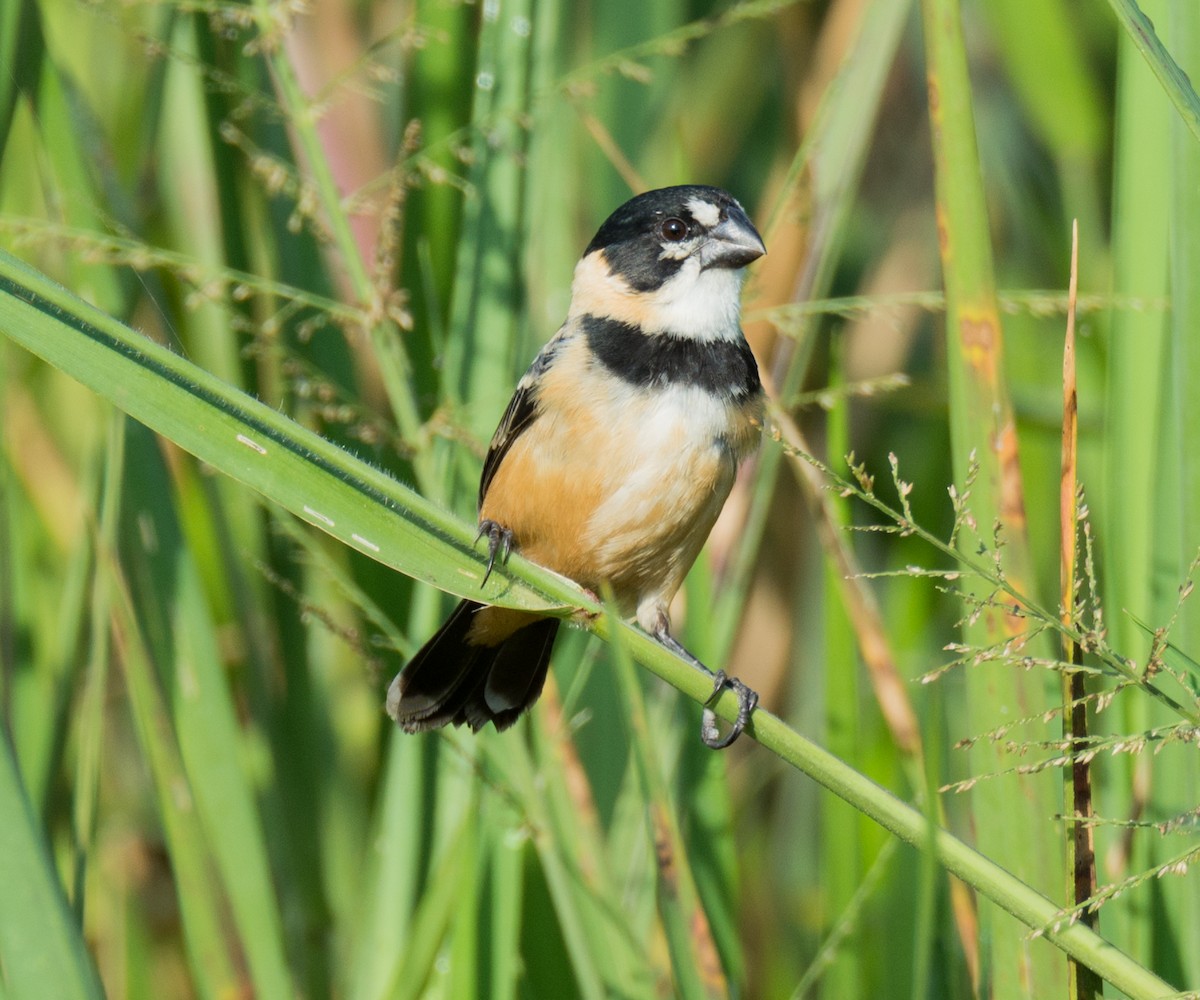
x: 366, y: 215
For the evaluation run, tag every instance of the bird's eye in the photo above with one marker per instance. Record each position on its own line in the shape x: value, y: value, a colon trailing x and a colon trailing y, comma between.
x: 674, y: 230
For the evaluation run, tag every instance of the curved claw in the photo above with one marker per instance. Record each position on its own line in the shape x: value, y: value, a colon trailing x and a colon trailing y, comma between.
x: 500, y: 540
x: 710, y: 734
x: 747, y: 701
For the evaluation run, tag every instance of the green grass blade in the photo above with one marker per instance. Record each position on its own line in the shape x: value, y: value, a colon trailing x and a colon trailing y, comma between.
x: 1132, y: 498
x: 486, y: 349
x: 983, y: 428
x: 89, y: 711
x: 201, y: 905
x: 1177, y: 780
x: 696, y: 968
x: 505, y: 899
x: 182, y: 636
x: 418, y: 953
x: 1171, y: 77
x: 40, y: 683
x: 21, y: 50
x: 1184, y: 354
x: 312, y: 478
x: 609, y: 884
x: 394, y: 874
x: 583, y: 899
x: 843, y: 865
x: 42, y: 952
x: 1141, y: 214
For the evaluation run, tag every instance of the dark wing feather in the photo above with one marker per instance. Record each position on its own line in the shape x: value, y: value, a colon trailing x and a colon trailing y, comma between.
x: 521, y: 412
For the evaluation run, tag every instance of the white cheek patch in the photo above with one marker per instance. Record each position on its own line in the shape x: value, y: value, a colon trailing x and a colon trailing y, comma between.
x: 678, y: 251
x: 693, y: 303
x: 704, y: 212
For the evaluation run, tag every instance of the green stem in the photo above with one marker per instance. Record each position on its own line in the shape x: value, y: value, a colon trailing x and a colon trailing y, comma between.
x: 1032, y: 908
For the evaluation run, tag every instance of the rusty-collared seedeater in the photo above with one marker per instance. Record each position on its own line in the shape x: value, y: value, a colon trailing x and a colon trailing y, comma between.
x: 614, y: 456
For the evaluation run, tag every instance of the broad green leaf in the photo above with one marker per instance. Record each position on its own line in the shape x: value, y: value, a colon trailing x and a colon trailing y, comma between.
x: 316, y: 481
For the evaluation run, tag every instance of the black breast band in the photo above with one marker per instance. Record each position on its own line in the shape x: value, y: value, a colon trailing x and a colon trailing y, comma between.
x: 724, y: 367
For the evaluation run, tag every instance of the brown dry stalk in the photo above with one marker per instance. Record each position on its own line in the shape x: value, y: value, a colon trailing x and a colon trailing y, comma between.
x: 1081, y: 852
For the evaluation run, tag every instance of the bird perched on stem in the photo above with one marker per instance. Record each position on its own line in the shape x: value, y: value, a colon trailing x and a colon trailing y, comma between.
x: 615, y: 455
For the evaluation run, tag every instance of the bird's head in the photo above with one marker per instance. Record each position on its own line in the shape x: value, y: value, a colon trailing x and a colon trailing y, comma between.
x: 670, y: 261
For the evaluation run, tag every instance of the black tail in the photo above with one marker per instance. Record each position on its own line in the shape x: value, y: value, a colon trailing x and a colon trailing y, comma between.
x: 451, y: 682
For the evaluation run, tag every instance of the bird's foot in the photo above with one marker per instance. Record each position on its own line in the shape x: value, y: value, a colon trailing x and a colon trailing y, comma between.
x: 747, y: 702
x: 710, y: 734
x: 500, y: 542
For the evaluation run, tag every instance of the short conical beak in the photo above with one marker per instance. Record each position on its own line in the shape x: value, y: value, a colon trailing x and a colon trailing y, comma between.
x: 733, y: 243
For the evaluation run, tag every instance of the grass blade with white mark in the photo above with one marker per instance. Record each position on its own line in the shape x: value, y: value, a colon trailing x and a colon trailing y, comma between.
x: 315, y: 480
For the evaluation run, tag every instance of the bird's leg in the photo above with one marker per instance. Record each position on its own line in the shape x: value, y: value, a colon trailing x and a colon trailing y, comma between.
x: 747, y: 698
x: 500, y: 540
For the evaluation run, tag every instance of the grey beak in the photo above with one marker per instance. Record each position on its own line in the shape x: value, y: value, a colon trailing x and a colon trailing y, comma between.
x: 733, y: 243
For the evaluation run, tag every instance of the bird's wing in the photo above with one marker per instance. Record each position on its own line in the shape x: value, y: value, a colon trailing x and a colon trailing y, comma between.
x: 521, y: 412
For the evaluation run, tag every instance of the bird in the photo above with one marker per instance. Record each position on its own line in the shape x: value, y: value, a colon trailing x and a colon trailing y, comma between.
x: 614, y: 456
